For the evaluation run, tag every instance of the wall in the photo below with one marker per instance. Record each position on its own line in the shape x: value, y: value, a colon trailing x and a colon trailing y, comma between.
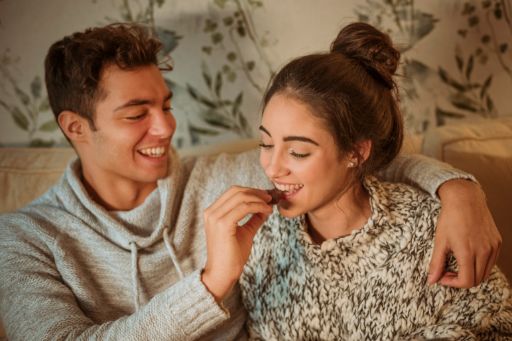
x: 457, y: 58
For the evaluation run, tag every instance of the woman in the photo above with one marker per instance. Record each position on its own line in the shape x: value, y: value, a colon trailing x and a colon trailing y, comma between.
x: 345, y: 256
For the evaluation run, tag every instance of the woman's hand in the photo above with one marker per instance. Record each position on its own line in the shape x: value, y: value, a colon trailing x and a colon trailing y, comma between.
x: 228, y: 244
x: 466, y: 229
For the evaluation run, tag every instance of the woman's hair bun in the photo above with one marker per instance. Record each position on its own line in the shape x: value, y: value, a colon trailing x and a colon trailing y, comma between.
x: 370, y: 47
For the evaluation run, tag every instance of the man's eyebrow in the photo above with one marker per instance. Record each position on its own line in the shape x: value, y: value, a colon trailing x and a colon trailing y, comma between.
x: 300, y: 138
x: 139, y: 101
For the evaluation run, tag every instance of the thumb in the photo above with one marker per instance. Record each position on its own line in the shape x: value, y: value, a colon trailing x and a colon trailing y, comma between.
x: 437, y: 263
x: 255, y: 223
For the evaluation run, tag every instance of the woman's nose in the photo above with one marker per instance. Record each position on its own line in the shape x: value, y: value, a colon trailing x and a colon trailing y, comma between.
x: 276, y: 167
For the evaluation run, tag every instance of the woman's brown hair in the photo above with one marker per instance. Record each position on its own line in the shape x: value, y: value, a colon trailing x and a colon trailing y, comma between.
x: 352, y: 90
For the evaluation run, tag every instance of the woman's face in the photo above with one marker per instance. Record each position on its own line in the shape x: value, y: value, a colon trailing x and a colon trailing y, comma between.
x: 300, y: 157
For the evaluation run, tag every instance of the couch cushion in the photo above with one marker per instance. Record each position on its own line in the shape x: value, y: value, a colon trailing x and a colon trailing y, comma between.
x: 484, y: 149
x: 26, y: 173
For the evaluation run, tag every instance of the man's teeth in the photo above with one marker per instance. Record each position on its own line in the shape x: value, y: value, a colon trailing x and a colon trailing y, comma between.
x: 154, y: 151
x: 289, y: 188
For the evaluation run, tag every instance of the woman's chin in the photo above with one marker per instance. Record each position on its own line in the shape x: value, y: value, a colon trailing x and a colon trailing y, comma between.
x: 289, y: 212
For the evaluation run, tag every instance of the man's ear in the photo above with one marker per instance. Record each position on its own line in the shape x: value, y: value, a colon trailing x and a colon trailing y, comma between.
x: 74, y: 126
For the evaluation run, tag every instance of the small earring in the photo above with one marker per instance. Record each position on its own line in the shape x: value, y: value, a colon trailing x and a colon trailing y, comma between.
x: 351, y: 164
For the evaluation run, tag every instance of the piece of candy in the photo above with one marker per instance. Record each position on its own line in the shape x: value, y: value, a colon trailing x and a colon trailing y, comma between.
x: 276, y: 194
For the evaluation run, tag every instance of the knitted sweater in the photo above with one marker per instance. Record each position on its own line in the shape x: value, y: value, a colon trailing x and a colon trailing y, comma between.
x: 369, y: 285
x: 72, y: 270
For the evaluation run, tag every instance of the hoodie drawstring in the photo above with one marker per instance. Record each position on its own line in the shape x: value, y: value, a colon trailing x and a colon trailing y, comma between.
x: 135, y: 270
x: 135, y: 275
x: 172, y: 253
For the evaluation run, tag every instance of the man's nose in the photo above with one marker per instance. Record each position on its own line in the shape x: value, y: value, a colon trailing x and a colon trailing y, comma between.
x: 163, y: 124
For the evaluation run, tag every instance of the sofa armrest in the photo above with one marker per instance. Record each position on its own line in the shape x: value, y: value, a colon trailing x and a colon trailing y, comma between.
x: 484, y: 149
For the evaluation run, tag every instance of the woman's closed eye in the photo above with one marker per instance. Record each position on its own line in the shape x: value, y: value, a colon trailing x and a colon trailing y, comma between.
x: 298, y: 155
x: 265, y: 146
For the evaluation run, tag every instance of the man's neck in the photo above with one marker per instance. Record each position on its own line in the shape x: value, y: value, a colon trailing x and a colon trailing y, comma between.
x: 119, y: 196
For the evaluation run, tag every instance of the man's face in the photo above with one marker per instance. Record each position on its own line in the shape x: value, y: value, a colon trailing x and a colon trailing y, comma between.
x: 134, y: 126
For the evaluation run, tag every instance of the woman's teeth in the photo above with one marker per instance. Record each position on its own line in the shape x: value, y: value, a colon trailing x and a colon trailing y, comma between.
x: 289, y: 189
x: 153, y: 151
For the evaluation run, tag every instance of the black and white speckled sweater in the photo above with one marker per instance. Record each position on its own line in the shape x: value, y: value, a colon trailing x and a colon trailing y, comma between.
x: 370, y: 285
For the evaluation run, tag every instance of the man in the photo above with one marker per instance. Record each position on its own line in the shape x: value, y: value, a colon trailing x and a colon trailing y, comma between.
x: 116, y: 249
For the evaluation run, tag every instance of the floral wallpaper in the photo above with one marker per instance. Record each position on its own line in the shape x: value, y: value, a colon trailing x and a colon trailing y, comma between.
x: 456, y: 57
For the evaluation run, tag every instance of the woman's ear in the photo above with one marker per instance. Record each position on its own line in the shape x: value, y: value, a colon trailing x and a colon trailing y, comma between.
x: 361, y: 154
x: 74, y: 126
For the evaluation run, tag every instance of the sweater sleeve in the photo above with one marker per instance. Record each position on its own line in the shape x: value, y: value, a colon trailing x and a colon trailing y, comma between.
x: 36, y: 303
x: 422, y: 172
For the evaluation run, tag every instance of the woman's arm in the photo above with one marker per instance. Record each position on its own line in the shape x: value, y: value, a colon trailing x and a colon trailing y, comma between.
x: 465, y: 227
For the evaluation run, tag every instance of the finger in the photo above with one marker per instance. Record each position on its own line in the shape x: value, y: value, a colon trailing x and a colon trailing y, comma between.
x: 465, y: 278
x: 252, y: 225
x: 481, y: 264
x: 449, y: 279
x: 232, y: 217
x: 492, y: 261
x: 242, y: 197
x: 233, y: 197
x: 236, y: 191
x: 224, y: 197
x: 437, y: 263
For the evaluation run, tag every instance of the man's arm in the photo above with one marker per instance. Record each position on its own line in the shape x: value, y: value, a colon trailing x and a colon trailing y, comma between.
x: 465, y: 227
x: 36, y: 304
x: 422, y: 172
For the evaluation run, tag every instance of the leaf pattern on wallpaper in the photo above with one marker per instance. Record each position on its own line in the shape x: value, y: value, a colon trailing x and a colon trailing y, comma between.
x: 408, y: 25
x: 239, y: 53
x: 399, y: 18
x: 471, y: 96
x: 232, y: 65
x: 27, y: 107
x: 144, y: 13
x: 458, y: 93
x: 226, y: 29
x: 468, y: 97
x: 485, y: 19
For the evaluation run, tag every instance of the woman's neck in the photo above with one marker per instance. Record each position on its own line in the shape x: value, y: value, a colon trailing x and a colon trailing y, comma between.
x: 340, y: 217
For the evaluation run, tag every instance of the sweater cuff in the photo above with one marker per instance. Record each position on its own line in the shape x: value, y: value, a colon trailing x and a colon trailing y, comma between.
x: 197, y: 311
x: 439, y: 178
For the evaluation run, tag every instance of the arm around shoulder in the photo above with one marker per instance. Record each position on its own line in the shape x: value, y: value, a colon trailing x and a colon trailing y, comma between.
x: 422, y: 172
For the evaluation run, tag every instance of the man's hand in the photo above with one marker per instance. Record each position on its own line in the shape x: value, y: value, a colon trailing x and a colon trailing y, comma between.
x: 229, y: 245
x: 466, y: 229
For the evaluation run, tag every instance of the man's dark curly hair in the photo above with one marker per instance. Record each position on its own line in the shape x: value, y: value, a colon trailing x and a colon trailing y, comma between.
x: 74, y: 64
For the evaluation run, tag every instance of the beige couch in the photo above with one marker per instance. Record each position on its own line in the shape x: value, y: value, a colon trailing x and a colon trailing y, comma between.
x: 483, y: 149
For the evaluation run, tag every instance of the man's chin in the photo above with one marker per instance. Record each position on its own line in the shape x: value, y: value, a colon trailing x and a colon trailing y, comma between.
x: 154, y: 175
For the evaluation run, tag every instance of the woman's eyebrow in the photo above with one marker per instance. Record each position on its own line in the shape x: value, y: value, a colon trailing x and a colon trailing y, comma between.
x: 291, y: 138
x: 300, y: 138
x: 262, y: 128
